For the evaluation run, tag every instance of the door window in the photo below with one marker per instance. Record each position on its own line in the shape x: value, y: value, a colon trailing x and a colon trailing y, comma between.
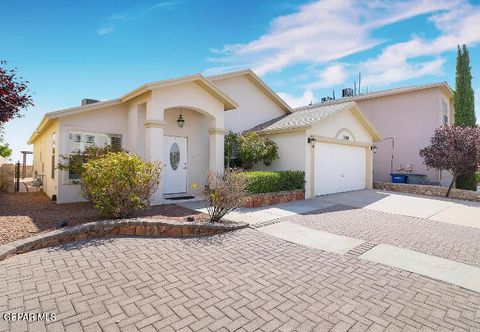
x: 174, y: 156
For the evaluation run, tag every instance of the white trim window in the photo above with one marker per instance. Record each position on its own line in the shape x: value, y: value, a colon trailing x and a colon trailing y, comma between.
x: 445, y: 112
x: 80, y: 140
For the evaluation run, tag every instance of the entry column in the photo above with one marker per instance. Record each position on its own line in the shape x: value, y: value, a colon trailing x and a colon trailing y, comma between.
x: 217, y: 146
x: 154, y: 133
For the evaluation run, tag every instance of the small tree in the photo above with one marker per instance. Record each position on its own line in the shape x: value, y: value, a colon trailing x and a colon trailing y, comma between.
x: 255, y: 148
x: 232, y: 144
x: 14, y: 95
x: 455, y: 149
x: 119, y: 184
x: 464, y: 107
x: 224, y: 193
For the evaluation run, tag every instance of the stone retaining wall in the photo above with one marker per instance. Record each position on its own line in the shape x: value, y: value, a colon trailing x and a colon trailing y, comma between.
x: 126, y: 227
x: 259, y: 200
x: 428, y: 190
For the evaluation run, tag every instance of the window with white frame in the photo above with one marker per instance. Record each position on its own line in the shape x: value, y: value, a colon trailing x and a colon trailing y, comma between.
x: 79, y: 141
x: 445, y: 112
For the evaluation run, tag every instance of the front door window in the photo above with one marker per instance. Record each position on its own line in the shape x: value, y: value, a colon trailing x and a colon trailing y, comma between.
x: 174, y: 156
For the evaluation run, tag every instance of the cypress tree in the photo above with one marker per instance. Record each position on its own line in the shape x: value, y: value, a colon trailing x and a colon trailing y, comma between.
x: 464, y: 106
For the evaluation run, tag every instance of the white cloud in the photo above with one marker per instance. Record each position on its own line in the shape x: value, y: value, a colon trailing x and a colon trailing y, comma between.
x: 106, y: 30
x: 322, y: 31
x: 331, y: 76
x: 133, y: 15
x: 303, y: 100
x: 400, y: 61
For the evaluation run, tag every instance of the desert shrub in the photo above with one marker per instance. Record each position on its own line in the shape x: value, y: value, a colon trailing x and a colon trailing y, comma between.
x: 224, y: 193
x: 267, y: 182
x: 255, y: 148
x: 119, y: 184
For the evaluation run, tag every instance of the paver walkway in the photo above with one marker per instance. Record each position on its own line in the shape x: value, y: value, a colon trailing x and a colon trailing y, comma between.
x: 244, y: 281
x: 249, y: 280
x: 436, y: 238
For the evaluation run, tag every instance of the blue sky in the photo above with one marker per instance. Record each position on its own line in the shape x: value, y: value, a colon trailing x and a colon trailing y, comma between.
x: 70, y: 50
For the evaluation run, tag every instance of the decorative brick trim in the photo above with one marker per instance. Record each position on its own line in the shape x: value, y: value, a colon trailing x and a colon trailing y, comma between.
x: 427, y: 190
x: 124, y: 227
x: 258, y: 200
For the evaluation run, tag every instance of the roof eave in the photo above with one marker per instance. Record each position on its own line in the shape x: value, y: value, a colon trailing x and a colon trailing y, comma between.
x: 228, y: 102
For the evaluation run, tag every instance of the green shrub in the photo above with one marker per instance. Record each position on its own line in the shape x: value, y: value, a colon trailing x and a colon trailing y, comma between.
x: 119, y: 184
x: 255, y: 148
x: 266, y: 182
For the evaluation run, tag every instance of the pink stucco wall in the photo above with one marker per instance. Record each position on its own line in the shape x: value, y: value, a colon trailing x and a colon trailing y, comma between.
x: 411, y: 119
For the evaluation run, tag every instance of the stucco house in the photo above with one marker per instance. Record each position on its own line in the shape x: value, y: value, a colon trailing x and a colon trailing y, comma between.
x: 406, y: 118
x: 331, y: 144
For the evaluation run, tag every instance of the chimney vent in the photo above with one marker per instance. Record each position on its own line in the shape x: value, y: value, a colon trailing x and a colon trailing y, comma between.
x: 87, y: 101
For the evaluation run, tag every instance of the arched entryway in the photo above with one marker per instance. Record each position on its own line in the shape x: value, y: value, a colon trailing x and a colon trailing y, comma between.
x: 186, y: 150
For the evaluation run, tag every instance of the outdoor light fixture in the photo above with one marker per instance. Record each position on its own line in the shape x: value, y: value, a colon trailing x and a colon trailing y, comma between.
x: 180, y: 121
x: 373, y: 148
x: 311, y: 140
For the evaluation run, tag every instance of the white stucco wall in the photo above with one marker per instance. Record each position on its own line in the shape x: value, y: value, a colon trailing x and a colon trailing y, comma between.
x: 188, y: 95
x: 290, y: 149
x: 255, y: 107
x: 338, y: 124
x: 108, y: 120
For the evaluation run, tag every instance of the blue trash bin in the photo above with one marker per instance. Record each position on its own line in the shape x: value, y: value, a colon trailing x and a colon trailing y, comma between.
x: 399, y: 178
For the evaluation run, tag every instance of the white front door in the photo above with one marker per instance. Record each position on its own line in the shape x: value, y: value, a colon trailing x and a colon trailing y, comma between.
x: 338, y: 168
x: 175, y: 165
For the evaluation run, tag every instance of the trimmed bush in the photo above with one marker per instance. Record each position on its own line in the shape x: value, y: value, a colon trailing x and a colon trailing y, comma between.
x: 269, y: 182
x: 119, y: 184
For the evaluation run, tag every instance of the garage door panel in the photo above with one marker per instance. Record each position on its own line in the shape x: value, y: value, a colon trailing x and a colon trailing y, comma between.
x: 338, y: 168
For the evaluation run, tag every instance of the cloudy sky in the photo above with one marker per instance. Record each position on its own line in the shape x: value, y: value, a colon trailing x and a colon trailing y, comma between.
x: 303, y: 49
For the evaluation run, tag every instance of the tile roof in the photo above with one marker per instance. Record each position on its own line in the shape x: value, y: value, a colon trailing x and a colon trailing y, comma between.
x: 303, y: 118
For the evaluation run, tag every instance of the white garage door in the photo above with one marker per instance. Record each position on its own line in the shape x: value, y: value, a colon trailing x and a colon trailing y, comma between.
x: 338, y: 168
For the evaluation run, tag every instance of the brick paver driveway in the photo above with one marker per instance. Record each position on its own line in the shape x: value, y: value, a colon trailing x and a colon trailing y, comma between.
x: 244, y: 280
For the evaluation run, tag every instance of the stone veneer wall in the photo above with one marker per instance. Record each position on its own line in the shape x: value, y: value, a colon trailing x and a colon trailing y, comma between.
x: 427, y: 190
x: 258, y: 200
x: 125, y: 227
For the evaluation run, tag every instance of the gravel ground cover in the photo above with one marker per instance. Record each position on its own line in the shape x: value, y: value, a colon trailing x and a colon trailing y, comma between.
x: 25, y: 214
